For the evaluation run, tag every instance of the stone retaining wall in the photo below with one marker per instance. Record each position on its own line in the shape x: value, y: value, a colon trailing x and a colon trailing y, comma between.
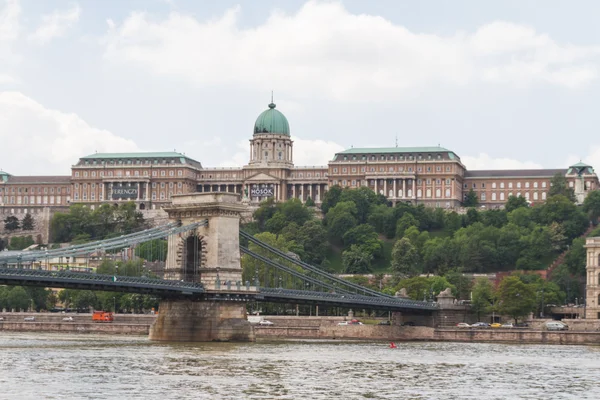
x: 75, y: 327
x: 517, y: 336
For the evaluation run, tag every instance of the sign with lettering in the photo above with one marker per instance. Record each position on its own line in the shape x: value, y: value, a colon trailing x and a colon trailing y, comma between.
x: 125, y: 192
x: 261, y: 192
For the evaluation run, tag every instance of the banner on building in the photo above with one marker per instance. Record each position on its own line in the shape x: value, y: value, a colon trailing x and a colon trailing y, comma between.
x: 125, y: 192
x: 261, y: 192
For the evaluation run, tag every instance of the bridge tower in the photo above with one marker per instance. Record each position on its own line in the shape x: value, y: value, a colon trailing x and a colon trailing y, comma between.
x: 210, y: 255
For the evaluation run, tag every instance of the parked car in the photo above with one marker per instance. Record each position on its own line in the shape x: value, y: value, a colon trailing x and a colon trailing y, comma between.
x: 29, y: 319
x: 355, y: 322
x: 384, y: 323
x: 556, y: 326
x: 70, y: 319
x: 480, y: 325
x: 1, y: 318
x: 265, y: 322
x: 507, y: 325
x: 496, y: 325
x: 408, y: 323
x: 521, y: 325
x: 463, y: 325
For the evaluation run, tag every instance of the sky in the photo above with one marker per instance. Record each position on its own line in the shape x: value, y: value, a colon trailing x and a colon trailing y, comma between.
x: 511, y: 84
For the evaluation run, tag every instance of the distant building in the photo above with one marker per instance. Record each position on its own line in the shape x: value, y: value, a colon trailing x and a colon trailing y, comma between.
x: 433, y: 176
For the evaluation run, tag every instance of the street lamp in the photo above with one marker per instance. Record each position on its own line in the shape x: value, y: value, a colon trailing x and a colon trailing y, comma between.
x: 115, y: 304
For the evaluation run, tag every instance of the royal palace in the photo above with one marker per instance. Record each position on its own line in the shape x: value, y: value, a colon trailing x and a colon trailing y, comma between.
x: 433, y: 176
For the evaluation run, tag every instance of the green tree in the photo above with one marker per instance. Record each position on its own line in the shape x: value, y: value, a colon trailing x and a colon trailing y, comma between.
x: 363, y: 198
x: 341, y: 219
x: 471, y: 217
x: 312, y: 236
x: 357, y: 260
x: 361, y: 234
x: 405, y: 258
x: 276, y: 223
x: 310, y: 202
x: 591, y: 205
x: 452, y: 222
x: 331, y: 198
x: 471, y: 199
x: 559, y: 186
x: 152, y: 250
x: 18, y: 298
x: 20, y: 242
x: 11, y: 223
x: 405, y: 222
x: 2, y: 244
x: 515, y: 202
x: 516, y: 298
x: 462, y: 283
x: 483, y: 297
x: 28, y: 223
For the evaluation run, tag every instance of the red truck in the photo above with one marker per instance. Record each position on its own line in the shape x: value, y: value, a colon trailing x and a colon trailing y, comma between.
x: 102, y: 316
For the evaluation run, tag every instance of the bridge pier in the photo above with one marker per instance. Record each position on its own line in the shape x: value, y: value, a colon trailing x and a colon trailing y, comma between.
x: 209, y: 255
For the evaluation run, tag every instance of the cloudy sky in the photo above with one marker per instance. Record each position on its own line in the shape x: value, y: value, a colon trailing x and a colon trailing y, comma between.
x: 510, y: 84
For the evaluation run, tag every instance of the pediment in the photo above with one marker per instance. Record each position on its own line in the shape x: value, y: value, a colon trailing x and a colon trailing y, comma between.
x: 262, y: 177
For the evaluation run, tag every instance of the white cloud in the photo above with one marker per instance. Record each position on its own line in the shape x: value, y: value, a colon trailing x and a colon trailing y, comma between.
x: 56, y: 24
x: 314, y: 152
x: 41, y: 141
x: 9, y: 20
x: 9, y: 32
x: 484, y: 161
x: 307, y: 152
x: 325, y: 49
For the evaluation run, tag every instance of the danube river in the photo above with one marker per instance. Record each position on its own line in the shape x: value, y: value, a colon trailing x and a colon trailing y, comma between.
x: 53, y: 366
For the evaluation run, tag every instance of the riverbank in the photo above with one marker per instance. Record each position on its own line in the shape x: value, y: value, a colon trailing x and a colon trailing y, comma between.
x: 124, y: 324
x: 289, y: 327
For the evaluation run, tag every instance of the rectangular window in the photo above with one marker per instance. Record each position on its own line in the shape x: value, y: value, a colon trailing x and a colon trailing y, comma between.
x: 493, y: 185
x: 527, y: 185
x: 501, y: 185
x: 518, y: 185
x: 493, y: 196
x: 543, y: 184
x: 510, y: 185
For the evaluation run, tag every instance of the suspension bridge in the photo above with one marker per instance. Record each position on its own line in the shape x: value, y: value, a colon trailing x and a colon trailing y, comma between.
x: 203, y: 281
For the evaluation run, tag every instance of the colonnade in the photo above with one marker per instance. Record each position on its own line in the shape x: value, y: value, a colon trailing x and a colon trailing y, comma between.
x: 398, y: 188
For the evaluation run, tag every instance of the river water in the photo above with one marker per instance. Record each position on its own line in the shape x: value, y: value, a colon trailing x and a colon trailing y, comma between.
x: 58, y: 366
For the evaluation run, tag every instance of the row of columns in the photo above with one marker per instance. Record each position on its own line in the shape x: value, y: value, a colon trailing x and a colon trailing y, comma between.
x: 107, y: 188
x: 396, y: 185
x: 300, y: 191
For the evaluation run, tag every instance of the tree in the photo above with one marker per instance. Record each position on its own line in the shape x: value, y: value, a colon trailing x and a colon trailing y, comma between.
x: 356, y: 260
x: 482, y: 297
x: 591, y: 205
x: 18, y: 298
x: 2, y: 244
x: 310, y: 202
x: 28, y: 223
x: 471, y: 199
x: 363, y: 198
x: 405, y: 222
x: 331, y: 198
x: 312, y: 236
x: 153, y: 250
x: 340, y: 219
x: 471, y: 217
x: 405, y: 258
x: 462, y: 283
x: 516, y: 298
x: 515, y: 202
x: 559, y: 186
x: 365, y: 236
x: 11, y: 223
x: 20, y: 242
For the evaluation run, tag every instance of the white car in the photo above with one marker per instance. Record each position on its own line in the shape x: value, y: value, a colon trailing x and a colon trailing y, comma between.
x: 463, y: 325
x: 265, y: 322
x: 70, y: 319
x: 29, y: 319
x: 344, y: 323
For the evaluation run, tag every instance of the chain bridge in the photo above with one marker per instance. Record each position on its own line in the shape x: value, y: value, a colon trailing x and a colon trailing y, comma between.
x: 204, y: 290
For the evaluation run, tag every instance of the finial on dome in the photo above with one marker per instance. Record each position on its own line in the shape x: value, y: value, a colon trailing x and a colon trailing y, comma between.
x: 271, y: 104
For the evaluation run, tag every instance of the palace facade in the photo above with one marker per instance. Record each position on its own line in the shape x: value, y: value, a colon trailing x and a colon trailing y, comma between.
x: 433, y: 176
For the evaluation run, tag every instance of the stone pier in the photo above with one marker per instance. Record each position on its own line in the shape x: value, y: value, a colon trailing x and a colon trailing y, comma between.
x: 209, y: 255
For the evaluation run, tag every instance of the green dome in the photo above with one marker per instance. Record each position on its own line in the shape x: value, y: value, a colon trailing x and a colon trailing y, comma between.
x: 272, y: 121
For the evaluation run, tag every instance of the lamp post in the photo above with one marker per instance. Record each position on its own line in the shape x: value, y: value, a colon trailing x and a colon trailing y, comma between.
x: 115, y: 304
